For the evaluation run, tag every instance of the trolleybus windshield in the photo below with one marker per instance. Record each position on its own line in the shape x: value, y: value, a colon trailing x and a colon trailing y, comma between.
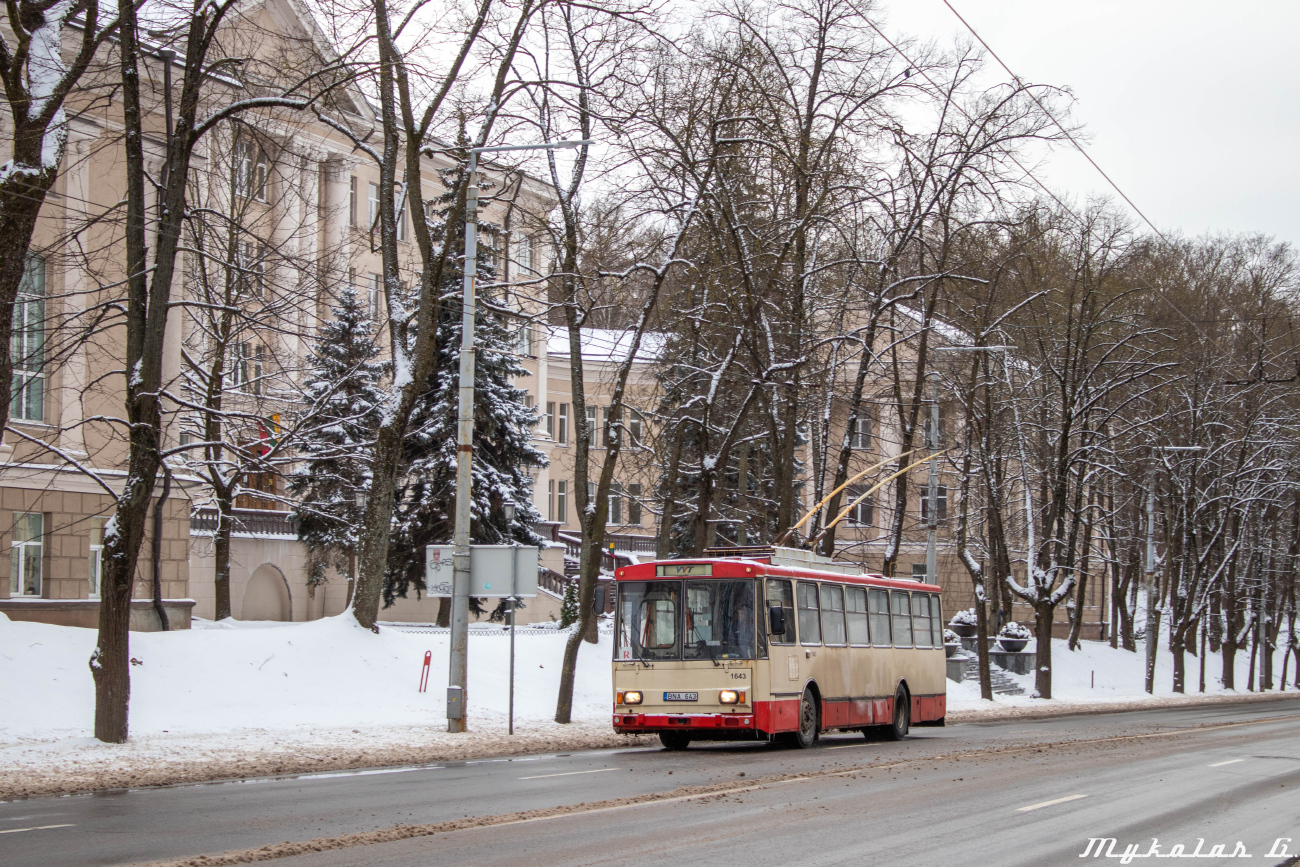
x: 715, y: 622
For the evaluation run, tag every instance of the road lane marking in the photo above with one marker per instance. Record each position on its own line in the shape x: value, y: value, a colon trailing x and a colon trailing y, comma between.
x: 1049, y: 803
x: 570, y: 773
x: 37, y: 828
x: 851, y: 746
x: 1228, y: 762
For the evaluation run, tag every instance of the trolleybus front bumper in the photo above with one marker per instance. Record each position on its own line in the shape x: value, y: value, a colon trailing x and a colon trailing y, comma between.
x: 702, y: 725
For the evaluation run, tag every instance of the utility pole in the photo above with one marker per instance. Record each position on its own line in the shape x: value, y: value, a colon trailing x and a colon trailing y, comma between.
x: 457, y: 676
x: 932, y: 443
x: 1153, y: 612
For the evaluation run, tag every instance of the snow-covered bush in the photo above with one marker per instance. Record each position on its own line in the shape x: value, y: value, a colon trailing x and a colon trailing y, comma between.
x: 965, y: 618
x: 1014, y: 630
x: 950, y: 637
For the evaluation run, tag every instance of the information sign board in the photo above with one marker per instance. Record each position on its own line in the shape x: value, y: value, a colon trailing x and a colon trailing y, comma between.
x: 495, y: 570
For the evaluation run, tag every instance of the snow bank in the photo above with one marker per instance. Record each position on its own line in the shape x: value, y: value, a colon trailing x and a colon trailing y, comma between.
x: 1095, y: 674
x: 331, y: 673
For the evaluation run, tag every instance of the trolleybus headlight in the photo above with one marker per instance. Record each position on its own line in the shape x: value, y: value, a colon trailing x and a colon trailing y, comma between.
x: 728, y: 696
x: 632, y: 696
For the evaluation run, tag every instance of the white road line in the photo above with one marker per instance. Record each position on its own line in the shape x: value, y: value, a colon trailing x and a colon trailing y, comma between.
x: 851, y: 746
x: 1228, y: 762
x: 570, y: 773
x: 1049, y: 803
x: 37, y: 828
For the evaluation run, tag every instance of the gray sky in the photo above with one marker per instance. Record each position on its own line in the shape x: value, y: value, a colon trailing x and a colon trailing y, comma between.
x: 1191, y: 106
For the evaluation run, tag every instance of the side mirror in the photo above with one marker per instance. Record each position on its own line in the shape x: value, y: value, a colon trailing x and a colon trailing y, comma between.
x: 776, y: 620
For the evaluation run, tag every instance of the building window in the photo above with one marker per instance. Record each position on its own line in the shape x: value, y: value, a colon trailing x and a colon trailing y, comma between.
x: 524, y: 339
x: 250, y: 171
x: 550, y: 500
x: 860, y: 432
x: 259, y: 368
x: 96, y: 573
x: 550, y: 419
x: 374, y: 207
x: 634, y: 504
x: 562, y: 436
x: 524, y: 258
x: 635, y: 427
x: 27, y: 347
x: 863, y: 513
x: 376, y: 294
x: 561, y: 501
x: 615, y: 504
x: 27, y: 550
x: 918, y: 572
x: 250, y: 264
x: 593, y: 432
x: 352, y: 200
x: 239, y: 358
x: 942, y: 502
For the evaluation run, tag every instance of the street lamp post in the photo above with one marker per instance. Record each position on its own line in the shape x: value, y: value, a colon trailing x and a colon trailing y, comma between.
x: 457, y: 692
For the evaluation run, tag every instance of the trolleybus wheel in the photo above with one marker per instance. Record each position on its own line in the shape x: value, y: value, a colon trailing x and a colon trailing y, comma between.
x: 808, y: 728
x: 675, y: 740
x: 902, y: 716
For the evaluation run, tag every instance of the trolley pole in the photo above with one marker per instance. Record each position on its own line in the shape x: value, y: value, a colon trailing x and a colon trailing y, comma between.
x: 457, y: 675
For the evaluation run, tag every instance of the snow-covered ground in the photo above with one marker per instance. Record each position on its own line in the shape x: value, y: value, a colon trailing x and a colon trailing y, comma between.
x: 1097, y: 675
x: 237, y: 699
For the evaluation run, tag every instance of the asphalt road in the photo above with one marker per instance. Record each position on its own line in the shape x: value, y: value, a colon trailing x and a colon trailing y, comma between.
x: 1010, y: 793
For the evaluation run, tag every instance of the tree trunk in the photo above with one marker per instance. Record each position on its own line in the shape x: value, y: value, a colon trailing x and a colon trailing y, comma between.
x: 1043, y: 650
x: 1177, y: 639
x: 221, y: 553
x: 156, y: 566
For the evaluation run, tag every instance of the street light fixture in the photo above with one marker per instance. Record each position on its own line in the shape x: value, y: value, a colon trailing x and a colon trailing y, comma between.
x: 457, y: 693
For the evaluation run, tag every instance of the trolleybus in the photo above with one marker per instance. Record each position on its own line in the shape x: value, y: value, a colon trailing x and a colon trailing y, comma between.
x: 773, y: 644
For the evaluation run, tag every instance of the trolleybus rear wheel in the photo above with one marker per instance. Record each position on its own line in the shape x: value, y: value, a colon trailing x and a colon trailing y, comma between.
x: 675, y: 740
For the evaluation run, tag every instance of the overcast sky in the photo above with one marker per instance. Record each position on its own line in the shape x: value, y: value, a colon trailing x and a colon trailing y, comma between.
x: 1191, y: 106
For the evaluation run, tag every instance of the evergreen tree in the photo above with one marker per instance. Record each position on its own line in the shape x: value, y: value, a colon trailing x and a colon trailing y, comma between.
x: 569, y: 607
x: 344, y: 397
x: 426, y: 496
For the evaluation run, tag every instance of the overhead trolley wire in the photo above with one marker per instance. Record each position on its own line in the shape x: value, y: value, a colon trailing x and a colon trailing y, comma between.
x: 1021, y: 166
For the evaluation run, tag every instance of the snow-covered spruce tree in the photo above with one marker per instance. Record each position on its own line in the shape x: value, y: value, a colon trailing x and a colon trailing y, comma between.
x: 345, y: 396
x: 569, y: 606
x: 425, y: 501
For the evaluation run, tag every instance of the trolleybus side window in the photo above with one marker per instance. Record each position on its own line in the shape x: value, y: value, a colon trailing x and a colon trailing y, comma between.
x: 719, y: 620
x: 902, y: 610
x: 779, y: 595
x: 936, y: 621
x: 648, y: 620
x: 855, y: 610
x: 878, y: 602
x: 810, y: 631
x: 921, y: 619
x: 833, y: 614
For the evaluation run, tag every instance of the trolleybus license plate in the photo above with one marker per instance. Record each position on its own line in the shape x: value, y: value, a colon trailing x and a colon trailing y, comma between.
x: 681, y: 696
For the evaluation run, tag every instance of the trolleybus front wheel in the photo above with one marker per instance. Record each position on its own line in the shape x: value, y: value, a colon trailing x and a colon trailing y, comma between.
x: 675, y: 740
x: 902, y: 716
x: 809, y: 729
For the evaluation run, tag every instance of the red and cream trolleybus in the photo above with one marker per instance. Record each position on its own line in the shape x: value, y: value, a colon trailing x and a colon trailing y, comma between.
x: 773, y: 644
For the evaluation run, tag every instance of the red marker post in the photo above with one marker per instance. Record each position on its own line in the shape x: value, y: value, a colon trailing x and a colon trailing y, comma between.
x: 424, y: 672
